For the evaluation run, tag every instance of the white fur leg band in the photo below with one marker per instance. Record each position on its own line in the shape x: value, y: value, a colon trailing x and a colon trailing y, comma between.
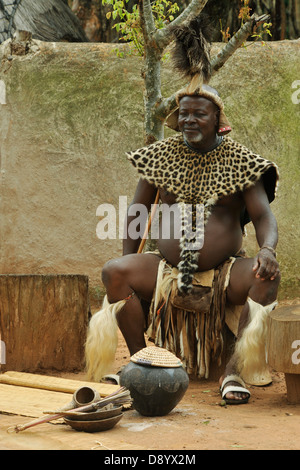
x: 102, y: 340
x: 250, y: 349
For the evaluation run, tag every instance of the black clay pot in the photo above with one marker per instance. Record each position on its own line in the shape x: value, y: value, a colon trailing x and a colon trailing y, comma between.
x: 155, y: 391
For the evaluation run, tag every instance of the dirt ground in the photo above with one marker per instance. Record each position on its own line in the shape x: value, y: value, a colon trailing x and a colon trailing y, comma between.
x: 199, y: 422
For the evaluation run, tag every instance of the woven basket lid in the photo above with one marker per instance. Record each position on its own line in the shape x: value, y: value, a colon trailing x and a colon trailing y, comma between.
x: 154, y: 356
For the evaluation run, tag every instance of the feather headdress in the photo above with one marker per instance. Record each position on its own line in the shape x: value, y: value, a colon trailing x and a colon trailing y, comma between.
x: 191, y: 57
x: 191, y: 51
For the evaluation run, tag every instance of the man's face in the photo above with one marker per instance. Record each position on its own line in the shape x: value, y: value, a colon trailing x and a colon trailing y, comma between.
x: 197, y: 120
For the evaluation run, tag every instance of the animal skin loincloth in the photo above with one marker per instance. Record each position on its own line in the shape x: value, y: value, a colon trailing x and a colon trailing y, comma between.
x: 190, y: 326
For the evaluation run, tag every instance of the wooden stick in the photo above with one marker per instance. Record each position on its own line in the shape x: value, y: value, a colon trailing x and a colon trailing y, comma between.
x: 147, y: 229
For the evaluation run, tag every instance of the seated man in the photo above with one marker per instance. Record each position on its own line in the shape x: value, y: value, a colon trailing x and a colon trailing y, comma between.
x: 198, y: 166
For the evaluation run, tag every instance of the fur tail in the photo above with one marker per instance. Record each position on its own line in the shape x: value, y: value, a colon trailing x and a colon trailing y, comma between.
x: 102, y: 340
x: 250, y: 349
x: 191, y: 51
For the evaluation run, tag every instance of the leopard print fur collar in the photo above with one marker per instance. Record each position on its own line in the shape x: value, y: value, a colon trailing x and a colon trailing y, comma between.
x: 200, y: 178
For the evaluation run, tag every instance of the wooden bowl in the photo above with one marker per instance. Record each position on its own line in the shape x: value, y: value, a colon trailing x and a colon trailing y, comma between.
x: 94, y: 426
x: 93, y: 415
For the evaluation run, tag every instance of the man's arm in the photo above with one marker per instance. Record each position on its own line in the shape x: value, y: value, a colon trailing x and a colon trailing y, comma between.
x: 258, y: 207
x: 145, y: 194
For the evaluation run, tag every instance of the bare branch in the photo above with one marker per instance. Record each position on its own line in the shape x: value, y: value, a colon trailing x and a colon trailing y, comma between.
x: 166, y: 106
x: 236, y: 41
x: 163, y: 37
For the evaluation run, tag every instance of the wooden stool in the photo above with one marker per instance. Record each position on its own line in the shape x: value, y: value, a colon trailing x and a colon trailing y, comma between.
x: 284, y: 347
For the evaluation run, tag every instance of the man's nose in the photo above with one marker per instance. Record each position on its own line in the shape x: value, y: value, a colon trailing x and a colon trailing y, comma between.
x: 190, y: 117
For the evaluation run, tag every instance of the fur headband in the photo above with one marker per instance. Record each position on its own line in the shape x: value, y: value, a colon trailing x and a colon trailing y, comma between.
x: 204, y: 91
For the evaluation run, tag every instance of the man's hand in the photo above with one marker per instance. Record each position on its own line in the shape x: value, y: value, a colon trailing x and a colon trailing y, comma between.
x: 266, y: 265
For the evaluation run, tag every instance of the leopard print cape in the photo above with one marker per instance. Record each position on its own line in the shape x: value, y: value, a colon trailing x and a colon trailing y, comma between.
x: 201, y: 179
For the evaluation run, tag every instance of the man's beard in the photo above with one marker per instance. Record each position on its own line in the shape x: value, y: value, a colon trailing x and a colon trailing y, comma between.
x: 194, y: 140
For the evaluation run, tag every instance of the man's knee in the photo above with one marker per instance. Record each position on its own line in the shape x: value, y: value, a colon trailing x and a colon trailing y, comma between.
x: 113, y: 273
x: 243, y: 283
x: 265, y: 291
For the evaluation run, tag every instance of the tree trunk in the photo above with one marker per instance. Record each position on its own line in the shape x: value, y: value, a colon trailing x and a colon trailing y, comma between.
x: 43, y: 321
x: 154, y: 128
x: 283, y: 20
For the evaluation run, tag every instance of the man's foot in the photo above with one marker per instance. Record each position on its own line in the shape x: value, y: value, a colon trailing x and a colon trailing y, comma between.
x: 233, y: 390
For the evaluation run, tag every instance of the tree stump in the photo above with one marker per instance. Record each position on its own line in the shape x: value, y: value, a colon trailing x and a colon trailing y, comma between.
x: 284, y: 347
x: 43, y: 321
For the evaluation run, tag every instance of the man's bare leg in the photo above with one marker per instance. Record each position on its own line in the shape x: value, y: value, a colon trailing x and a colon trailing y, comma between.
x: 131, y: 277
x: 243, y: 284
